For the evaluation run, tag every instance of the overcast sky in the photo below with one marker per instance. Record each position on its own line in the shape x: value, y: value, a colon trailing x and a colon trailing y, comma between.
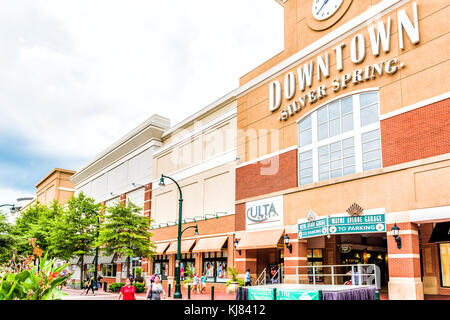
x: 77, y: 75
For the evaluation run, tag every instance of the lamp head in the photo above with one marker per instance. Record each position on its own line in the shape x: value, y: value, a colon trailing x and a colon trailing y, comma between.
x: 196, y: 230
x: 395, y: 230
x: 161, y: 181
x: 286, y: 239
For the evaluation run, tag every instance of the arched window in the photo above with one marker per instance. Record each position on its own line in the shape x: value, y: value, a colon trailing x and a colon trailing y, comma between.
x: 340, y: 138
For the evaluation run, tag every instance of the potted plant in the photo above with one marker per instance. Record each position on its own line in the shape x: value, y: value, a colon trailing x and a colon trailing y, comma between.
x: 234, y: 283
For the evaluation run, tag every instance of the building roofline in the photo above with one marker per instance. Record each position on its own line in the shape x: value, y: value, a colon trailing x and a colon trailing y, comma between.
x: 52, y: 172
x: 212, y: 106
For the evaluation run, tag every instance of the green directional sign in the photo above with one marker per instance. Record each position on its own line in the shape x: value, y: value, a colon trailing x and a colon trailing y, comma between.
x: 313, y: 229
x: 342, y: 225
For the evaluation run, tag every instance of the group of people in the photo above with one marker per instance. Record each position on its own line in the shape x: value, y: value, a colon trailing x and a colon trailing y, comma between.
x: 155, y: 289
x: 198, y: 285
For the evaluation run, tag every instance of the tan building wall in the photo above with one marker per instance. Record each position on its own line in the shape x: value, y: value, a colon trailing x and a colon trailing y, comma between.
x: 404, y: 88
x: 55, y: 186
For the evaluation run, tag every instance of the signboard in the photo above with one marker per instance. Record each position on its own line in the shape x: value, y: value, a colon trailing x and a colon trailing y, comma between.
x: 342, y: 225
x: 265, y: 213
x: 261, y: 293
x: 360, y: 224
x: 313, y: 229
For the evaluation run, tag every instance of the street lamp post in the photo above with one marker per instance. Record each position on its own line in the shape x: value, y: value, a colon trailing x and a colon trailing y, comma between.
x: 96, y: 252
x: 177, y: 293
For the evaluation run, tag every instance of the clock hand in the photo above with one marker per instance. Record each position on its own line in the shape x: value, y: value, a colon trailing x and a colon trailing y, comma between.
x: 323, y: 5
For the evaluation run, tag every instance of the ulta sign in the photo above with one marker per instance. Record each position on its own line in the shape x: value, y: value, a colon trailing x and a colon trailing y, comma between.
x: 379, y: 39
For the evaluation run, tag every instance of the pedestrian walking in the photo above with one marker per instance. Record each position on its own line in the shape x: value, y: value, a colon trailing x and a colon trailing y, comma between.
x: 203, y: 283
x: 90, y: 285
x: 247, y: 278
x: 128, y: 292
x: 196, y: 283
x: 155, y: 290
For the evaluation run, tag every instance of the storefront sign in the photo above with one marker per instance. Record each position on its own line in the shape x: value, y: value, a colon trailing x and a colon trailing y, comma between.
x: 342, y: 225
x: 379, y: 40
x: 345, y: 248
x: 264, y: 213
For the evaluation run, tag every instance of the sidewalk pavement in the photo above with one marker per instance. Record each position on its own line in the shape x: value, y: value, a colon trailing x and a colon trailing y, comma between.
x: 141, y: 296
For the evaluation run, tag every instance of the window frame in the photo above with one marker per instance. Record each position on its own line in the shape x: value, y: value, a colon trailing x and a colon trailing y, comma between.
x: 356, y: 133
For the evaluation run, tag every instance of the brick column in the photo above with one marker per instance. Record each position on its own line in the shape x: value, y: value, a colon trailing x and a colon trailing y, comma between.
x: 298, y: 258
x: 198, y: 263
x: 404, y: 264
x: 123, y: 198
x: 148, y: 200
x: 246, y: 260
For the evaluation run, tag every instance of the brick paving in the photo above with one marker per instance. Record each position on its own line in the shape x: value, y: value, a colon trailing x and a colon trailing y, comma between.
x: 74, y: 294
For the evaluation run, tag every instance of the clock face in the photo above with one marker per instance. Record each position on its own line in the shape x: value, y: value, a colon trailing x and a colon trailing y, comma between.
x: 323, y: 9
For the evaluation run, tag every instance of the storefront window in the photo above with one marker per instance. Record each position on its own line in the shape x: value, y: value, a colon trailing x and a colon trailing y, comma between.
x: 315, y: 258
x: 444, y: 253
x: 187, y: 266
x: 135, y: 263
x: 109, y: 270
x: 161, y: 266
x: 215, y: 266
x: 339, y: 139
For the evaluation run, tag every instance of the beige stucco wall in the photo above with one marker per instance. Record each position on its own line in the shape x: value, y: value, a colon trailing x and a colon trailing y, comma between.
x: 188, y: 148
x: 208, y: 192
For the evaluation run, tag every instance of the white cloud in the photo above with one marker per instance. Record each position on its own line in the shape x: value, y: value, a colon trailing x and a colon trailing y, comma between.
x: 77, y: 75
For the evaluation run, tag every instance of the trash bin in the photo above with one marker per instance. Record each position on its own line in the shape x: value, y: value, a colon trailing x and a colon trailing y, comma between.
x: 105, y: 286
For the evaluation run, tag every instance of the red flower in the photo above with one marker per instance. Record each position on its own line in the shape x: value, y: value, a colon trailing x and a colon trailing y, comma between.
x: 37, y: 252
x: 32, y: 242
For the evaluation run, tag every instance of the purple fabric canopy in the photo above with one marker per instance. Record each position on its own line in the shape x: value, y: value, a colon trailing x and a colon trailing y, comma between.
x: 366, y: 293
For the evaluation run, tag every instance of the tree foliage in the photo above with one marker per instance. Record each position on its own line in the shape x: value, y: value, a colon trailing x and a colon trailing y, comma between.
x: 126, y: 232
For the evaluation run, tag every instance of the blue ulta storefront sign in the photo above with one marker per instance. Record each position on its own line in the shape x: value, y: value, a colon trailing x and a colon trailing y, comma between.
x: 342, y: 225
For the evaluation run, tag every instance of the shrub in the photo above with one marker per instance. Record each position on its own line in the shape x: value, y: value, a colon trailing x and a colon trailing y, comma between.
x: 241, y: 282
x: 232, y: 271
x: 140, y: 287
x: 22, y: 280
x: 115, y: 287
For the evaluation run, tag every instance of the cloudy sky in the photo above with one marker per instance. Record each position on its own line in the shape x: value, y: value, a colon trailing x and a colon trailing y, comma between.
x: 77, y: 75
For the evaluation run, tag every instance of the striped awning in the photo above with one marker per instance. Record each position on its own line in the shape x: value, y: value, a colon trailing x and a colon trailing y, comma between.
x: 88, y: 259
x: 105, y: 259
x: 186, y: 246
x: 212, y: 244
x: 161, y: 247
x: 260, y: 239
x: 75, y: 260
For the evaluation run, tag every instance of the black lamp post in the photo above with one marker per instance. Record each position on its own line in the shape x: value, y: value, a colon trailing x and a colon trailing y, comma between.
x: 177, y: 293
x: 286, y: 242
x: 96, y: 249
x: 395, y: 231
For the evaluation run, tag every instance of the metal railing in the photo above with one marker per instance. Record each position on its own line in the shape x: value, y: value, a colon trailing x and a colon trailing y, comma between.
x: 259, y: 281
x: 350, y: 274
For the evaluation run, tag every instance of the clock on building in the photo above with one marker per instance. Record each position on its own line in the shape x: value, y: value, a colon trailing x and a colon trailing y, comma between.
x: 323, y: 9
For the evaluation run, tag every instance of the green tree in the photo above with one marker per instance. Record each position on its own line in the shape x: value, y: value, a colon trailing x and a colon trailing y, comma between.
x: 35, y: 222
x: 126, y: 232
x: 75, y: 230
x: 7, y: 240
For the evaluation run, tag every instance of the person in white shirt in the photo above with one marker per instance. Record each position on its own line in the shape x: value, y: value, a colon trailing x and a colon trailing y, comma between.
x: 196, y: 283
